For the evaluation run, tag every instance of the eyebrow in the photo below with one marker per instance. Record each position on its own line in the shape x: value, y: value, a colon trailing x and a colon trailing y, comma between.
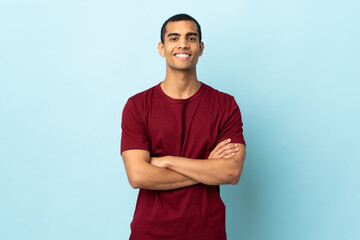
x: 188, y: 34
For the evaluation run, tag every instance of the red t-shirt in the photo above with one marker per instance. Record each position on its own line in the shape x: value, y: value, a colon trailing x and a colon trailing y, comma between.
x: 189, y: 128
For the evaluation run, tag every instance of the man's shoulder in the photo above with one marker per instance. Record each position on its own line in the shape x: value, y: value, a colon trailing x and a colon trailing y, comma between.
x: 143, y: 95
x: 140, y: 101
x: 219, y: 95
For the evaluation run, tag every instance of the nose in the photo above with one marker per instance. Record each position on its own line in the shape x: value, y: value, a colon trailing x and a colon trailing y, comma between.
x: 183, y: 43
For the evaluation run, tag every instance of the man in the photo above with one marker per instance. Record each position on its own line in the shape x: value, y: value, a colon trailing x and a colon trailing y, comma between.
x: 181, y: 139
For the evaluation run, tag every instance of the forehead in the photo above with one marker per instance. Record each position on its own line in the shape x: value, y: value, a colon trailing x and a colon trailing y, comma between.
x: 181, y: 27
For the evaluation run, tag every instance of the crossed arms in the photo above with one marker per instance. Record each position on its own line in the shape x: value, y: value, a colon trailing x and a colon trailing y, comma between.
x: 224, y: 166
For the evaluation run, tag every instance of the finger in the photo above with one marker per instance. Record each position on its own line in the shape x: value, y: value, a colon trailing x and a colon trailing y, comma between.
x: 228, y: 149
x: 229, y: 155
x: 228, y: 146
x: 223, y: 154
x: 222, y: 143
x: 220, y: 148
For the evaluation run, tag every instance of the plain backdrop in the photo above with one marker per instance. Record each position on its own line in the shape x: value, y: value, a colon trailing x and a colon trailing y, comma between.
x: 68, y: 67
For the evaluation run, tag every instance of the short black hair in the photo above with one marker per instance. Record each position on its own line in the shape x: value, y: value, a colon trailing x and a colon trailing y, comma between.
x: 177, y: 18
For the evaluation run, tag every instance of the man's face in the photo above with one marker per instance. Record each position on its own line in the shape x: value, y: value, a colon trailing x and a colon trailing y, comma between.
x: 181, y: 46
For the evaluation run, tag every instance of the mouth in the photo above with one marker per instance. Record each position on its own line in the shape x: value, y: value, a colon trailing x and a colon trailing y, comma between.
x: 182, y: 55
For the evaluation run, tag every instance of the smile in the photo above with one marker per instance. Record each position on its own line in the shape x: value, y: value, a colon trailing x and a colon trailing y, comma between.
x: 182, y: 55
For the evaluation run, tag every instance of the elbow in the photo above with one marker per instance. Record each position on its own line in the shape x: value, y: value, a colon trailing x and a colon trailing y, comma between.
x: 235, y: 180
x: 234, y: 176
x: 134, y: 185
x: 236, y: 170
x: 135, y: 181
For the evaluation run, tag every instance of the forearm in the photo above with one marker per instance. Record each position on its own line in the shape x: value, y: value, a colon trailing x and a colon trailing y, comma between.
x: 209, y: 171
x: 214, y: 171
x: 142, y: 174
x: 157, y: 178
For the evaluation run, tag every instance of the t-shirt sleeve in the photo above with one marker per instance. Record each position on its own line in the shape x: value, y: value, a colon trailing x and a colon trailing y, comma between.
x: 134, y: 134
x: 231, y: 124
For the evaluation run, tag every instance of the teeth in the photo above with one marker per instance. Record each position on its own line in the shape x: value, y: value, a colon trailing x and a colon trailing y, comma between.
x: 182, y: 55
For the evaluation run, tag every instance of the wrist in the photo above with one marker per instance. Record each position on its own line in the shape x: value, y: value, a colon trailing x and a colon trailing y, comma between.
x: 168, y: 161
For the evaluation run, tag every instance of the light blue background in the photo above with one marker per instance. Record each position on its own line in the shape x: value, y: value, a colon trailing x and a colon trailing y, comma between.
x: 68, y: 67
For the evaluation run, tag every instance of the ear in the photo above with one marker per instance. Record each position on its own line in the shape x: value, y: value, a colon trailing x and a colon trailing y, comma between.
x: 161, y: 49
x: 201, y: 48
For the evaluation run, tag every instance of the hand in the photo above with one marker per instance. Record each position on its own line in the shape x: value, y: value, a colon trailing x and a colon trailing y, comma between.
x: 224, y: 149
x: 158, y: 161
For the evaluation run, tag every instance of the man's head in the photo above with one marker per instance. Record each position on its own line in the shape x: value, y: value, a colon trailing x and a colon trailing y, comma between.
x: 181, y: 44
x: 177, y: 18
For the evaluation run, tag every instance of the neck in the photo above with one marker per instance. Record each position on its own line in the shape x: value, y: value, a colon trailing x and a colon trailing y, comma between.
x: 180, y: 84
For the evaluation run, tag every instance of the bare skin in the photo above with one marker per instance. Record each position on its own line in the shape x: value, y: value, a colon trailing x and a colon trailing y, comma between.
x: 142, y: 173
x: 182, y: 49
x: 181, y: 80
x: 213, y: 171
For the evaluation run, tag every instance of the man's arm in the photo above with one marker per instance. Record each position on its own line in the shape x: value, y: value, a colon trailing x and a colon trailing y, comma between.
x: 213, y: 171
x: 142, y: 174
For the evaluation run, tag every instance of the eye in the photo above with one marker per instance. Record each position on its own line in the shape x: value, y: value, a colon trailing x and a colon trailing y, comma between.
x: 192, y: 39
x: 173, y: 39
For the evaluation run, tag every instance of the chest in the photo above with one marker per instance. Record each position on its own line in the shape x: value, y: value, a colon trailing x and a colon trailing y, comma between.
x: 187, y: 130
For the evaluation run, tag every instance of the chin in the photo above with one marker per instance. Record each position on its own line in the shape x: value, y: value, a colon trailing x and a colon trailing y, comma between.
x: 183, y: 67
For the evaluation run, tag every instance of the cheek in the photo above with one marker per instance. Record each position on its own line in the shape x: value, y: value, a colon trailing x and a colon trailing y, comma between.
x: 166, y: 51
